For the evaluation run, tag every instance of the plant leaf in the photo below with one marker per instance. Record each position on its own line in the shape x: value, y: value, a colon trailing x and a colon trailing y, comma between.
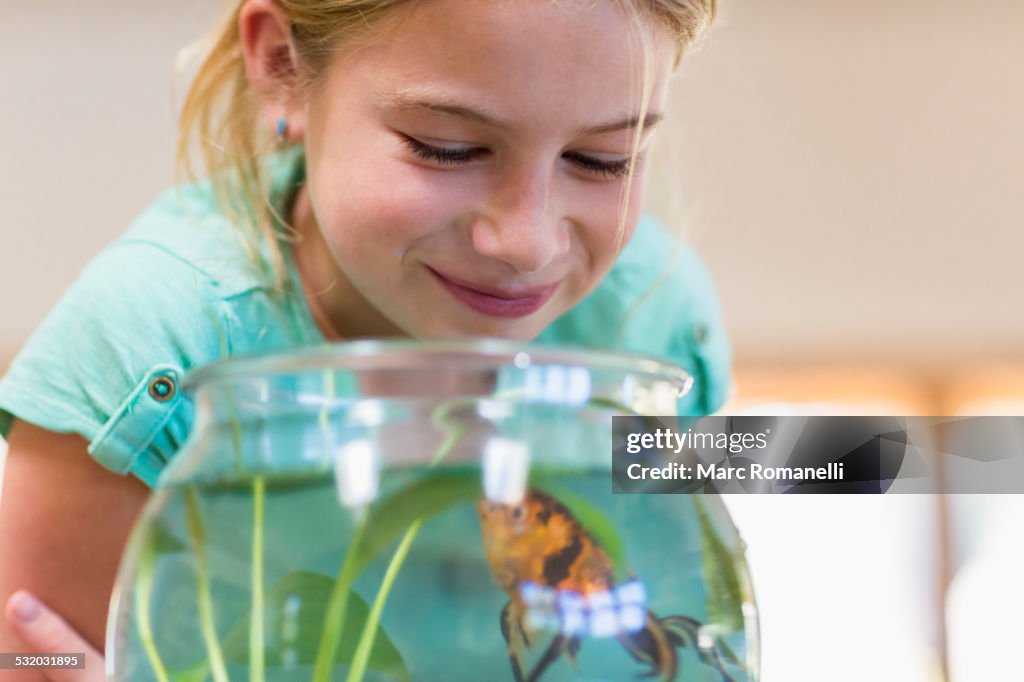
x: 296, y: 607
x: 391, y: 518
x: 197, y: 673
x: 162, y: 541
x: 725, y: 596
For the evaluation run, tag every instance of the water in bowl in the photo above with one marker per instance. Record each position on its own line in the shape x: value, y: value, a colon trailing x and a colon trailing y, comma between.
x: 440, y: 608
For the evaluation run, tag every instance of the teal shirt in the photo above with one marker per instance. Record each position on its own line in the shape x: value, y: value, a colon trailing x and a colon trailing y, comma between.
x: 178, y: 290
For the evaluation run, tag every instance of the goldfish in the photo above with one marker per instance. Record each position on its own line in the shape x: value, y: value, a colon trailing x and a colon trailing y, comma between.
x: 559, y: 578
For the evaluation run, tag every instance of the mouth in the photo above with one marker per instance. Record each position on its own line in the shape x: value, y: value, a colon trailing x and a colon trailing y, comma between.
x: 495, y: 301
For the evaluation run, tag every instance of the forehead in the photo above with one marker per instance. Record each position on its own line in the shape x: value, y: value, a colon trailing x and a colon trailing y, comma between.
x: 569, y: 59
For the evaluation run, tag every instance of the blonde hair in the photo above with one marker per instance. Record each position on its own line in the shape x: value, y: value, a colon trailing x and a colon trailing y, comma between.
x: 221, y: 122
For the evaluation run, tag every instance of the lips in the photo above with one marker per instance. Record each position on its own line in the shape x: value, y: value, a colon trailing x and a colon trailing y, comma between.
x: 495, y: 301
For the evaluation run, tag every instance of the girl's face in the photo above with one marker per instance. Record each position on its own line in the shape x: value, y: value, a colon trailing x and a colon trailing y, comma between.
x: 465, y: 170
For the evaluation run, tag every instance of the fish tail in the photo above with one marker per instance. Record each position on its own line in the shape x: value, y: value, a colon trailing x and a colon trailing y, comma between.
x: 652, y: 645
x: 683, y: 631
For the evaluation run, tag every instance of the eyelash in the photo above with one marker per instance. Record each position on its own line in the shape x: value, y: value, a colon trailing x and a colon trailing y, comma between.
x: 451, y: 157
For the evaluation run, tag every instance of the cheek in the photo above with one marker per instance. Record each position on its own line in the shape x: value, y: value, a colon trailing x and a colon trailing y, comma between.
x: 600, y: 230
x: 387, y: 201
x: 364, y: 191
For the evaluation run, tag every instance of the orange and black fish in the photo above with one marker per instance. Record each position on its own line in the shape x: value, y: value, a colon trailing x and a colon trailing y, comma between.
x: 558, y: 577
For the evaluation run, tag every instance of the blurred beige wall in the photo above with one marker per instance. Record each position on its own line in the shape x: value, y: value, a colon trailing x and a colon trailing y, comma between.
x: 853, y: 170
x: 87, y: 135
x: 846, y: 168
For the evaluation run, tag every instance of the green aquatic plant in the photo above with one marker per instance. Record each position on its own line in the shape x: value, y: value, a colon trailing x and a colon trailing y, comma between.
x: 149, y: 550
x: 725, y: 596
x: 292, y: 631
x: 335, y: 624
x: 335, y: 618
x: 369, y: 637
x: 351, y: 567
x: 296, y: 605
x: 259, y: 489
x: 256, y: 630
x: 197, y: 535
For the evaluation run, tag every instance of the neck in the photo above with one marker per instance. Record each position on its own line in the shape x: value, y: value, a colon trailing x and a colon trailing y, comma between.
x: 339, y: 310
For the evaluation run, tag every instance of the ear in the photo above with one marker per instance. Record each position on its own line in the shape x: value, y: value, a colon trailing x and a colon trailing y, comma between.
x: 271, y: 65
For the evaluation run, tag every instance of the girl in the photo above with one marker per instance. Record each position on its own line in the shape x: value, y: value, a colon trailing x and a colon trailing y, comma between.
x: 425, y: 168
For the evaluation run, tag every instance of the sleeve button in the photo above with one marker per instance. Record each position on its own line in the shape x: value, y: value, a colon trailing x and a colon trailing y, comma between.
x: 162, y: 389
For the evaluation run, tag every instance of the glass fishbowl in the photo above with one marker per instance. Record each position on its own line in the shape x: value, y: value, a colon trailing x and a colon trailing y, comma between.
x: 435, y: 512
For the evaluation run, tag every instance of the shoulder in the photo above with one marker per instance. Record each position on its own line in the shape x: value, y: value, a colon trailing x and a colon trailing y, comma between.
x: 187, y: 224
x: 160, y: 288
x: 658, y: 299
x: 107, y: 361
x: 184, y: 226
x: 176, y: 291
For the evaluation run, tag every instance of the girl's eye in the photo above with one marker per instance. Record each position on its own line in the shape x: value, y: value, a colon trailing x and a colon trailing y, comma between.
x: 451, y: 157
x: 610, y: 169
x: 442, y: 155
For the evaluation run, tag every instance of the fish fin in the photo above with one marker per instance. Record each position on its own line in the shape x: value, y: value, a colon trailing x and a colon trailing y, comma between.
x: 515, y: 638
x: 503, y: 619
x: 711, y: 658
x: 685, y: 631
x: 681, y: 631
x: 572, y: 647
x: 558, y: 646
x: 638, y: 645
x: 652, y: 646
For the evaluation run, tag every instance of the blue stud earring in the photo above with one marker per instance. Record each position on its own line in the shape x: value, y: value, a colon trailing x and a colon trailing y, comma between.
x: 282, y: 128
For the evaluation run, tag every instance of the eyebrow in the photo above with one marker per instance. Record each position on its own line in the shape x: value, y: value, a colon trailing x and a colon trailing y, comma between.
x: 422, y: 102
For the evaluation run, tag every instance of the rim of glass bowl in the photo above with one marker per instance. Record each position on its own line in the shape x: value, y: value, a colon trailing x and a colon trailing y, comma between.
x: 368, y: 355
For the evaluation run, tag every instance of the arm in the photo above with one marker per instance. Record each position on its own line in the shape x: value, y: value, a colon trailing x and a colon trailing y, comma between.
x: 64, y: 521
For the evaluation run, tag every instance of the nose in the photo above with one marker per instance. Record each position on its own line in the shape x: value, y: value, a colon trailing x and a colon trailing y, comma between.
x: 520, y: 224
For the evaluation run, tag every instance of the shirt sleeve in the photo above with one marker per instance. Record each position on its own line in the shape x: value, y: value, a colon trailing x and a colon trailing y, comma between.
x: 659, y: 299
x: 108, y: 360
